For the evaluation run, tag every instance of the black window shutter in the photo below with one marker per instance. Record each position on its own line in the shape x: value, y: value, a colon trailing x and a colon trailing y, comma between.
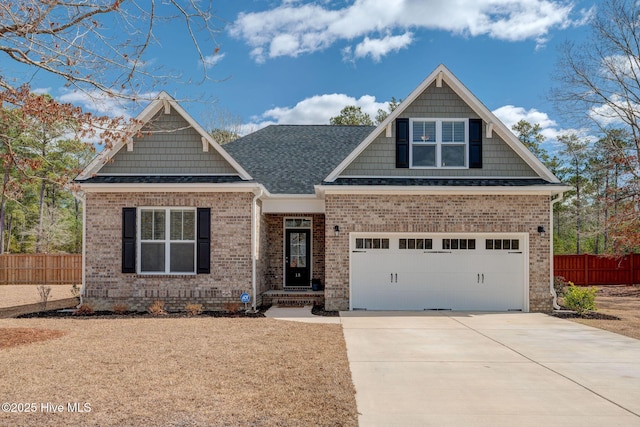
x: 475, y: 143
x: 128, y: 240
x: 204, y: 241
x: 402, y: 143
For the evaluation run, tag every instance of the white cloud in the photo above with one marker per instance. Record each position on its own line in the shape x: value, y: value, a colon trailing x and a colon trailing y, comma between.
x: 378, y: 48
x: 292, y: 28
x: 510, y: 115
x: 212, y: 60
x: 315, y: 110
x: 100, y: 103
x: 41, y: 90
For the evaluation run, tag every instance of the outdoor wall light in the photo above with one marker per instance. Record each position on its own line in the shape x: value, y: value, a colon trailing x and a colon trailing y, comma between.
x: 336, y: 230
x: 541, y: 230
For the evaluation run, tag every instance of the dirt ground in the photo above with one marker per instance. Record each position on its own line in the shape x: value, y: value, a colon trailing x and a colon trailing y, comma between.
x: 622, y: 301
x: 15, y: 295
x: 174, y: 372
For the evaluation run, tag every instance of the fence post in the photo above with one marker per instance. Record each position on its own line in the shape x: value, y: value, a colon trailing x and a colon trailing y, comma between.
x: 632, y: 276
x: 586, y: 269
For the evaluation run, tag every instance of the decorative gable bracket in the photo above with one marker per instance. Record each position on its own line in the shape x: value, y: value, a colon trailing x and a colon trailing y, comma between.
x: 205, y: 145
x: 129, y: 144
x: 490, y: 130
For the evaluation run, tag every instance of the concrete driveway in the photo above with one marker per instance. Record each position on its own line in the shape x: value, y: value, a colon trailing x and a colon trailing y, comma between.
x: 507, y: 369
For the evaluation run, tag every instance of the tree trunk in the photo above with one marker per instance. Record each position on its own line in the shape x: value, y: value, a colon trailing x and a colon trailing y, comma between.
x: 2, y: 206
x: 9, y: 233
x: 40, y: 220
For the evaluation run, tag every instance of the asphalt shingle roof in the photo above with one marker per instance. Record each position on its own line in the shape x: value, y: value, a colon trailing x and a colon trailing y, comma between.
x: 291, y: 159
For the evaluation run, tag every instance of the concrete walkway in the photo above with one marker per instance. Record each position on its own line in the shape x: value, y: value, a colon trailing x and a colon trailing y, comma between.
x: 508, y: 369
x: 298, y: 314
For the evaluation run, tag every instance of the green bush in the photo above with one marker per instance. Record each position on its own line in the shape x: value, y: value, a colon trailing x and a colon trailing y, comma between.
x: 580, y: 300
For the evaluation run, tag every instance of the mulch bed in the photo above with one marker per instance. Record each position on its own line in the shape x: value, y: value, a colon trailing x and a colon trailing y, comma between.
x: 318, y: 310
x: 140, y: 314
x: 590, y: 315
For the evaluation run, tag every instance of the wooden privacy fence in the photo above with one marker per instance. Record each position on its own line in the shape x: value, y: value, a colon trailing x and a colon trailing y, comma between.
x: 40, y: 269
x: 589, y: 270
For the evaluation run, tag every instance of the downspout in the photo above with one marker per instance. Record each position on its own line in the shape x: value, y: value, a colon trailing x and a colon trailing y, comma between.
x: 80, y: 195
x: 552, y: 278
x: 254, y: 248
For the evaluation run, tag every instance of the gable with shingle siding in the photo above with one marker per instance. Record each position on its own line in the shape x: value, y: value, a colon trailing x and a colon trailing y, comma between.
x: 172, y: 147
x: 499, y: 160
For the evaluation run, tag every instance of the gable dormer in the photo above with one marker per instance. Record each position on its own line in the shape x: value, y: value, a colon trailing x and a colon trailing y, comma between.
x: 441, y: 130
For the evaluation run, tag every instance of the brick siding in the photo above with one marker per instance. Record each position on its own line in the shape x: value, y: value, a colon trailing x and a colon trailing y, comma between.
x: 231, y: 264
x: 447, y: 214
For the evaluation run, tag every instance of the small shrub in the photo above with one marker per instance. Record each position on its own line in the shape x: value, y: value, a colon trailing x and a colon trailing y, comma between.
x: 559, y: 285
x: 580, y: 300
x: 84, y: 310
x: 44, y: 292
x: 157, y: 308
x: 120, y: 308
x: 75, y: 291
x: 193, y: 309
x: 231, y: 307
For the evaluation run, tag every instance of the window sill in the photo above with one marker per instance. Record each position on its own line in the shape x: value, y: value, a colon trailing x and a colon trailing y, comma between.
x: 165, y: 276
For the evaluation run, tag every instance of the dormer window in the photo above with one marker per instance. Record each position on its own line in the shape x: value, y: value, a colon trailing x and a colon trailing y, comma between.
x: 439, y: 143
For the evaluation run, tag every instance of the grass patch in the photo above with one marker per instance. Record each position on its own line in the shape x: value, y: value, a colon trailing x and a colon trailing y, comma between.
x: 182, y: 371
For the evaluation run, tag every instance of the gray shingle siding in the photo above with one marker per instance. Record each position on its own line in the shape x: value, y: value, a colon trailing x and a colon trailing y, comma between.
x: 173, y: 148
x: 498, y: 158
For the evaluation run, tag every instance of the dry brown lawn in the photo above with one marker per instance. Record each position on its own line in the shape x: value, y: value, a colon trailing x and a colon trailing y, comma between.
x: 199, y: 371
x: 621, y: 301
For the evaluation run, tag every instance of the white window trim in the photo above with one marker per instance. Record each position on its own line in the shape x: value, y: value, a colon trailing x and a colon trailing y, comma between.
x: 438, y: 143
x: 167, y: 241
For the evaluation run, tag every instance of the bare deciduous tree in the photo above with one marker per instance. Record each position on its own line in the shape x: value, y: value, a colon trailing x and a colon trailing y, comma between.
x: 100, y: 45
x: 600, y: 81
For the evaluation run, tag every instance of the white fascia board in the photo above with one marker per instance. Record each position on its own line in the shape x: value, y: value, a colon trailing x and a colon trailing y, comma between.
x: 475, y: 105
x: 440, y: 190
x: 147, y: 114
x: 169, y: 188
x: 309, y: 204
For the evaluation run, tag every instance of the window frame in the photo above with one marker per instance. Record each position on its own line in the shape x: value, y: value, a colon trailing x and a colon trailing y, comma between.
x: 167, y: 240
x: 439, y: 143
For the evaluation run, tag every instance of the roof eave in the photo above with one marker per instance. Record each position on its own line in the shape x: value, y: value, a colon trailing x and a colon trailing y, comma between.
x: 548, y: 190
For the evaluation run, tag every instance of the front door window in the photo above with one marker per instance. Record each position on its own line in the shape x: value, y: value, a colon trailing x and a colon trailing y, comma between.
x: 297, y: 257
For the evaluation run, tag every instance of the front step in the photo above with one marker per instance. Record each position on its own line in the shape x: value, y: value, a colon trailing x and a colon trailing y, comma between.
x: 293, y: 298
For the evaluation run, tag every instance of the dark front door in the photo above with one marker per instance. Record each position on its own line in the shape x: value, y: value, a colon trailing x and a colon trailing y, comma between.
x: 298, y: 258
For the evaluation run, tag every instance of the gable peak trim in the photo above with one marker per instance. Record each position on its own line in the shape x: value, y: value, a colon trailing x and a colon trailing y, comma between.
x: 442, y: 73
x: 163, y: 101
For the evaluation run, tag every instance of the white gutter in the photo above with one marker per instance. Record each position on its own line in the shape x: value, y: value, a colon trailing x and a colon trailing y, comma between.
x: 254, y: 246
x: 435, y: 190
x: 552, y: 278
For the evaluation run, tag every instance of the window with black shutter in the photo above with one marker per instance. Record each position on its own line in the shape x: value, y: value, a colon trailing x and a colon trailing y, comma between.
x: 204, y: 241
x: 402, y: 143
x: 475, y: 143
x: 128, y: 240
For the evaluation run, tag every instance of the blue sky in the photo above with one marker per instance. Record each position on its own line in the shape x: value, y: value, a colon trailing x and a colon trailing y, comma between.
x: 295, y: 61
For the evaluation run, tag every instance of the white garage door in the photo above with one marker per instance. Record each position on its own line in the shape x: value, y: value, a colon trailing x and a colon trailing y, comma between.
x: 467, y: 272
